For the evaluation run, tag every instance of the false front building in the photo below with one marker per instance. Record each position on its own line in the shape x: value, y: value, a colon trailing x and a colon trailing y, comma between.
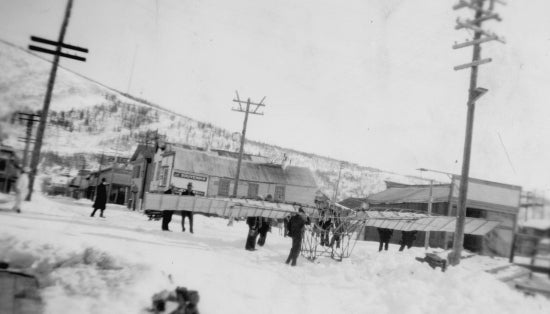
x: 487, y: 200
x: 212, y: 174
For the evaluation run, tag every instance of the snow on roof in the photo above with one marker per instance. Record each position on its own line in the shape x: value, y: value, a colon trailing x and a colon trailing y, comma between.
x: 202, y: 162
x: 411, y: 194
x: 541, y: 224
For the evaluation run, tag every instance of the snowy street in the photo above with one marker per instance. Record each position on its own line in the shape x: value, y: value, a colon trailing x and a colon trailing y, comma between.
x: 115, y: 265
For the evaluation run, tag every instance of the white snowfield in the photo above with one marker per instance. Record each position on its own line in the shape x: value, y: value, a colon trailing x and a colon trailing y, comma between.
x: 115, y: 265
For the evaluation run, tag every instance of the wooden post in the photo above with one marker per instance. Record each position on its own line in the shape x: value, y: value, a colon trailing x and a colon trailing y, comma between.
x: 430, y: 201
x: 458, y: 241
x: 337, y: 183
x: 243, y: 136
x: 44, y: 115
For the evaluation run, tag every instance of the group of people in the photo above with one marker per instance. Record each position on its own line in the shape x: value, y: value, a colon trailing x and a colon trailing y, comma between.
x: 407, y: 239
x: 328, y: 221
x: 294, y: 228
x: 167, y: 214
x: 257, y: 226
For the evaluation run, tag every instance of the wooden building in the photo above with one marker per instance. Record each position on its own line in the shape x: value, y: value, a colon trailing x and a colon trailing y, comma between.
x: 488, y: 200
x: 8, y: 172
x: 213, y: 174
x: 118, y: 178
x: 79, y: 184
x: 142, y: 172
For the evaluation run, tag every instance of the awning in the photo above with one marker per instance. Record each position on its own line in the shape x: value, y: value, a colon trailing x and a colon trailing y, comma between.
x: 419, y: 222
x: 223, y: 207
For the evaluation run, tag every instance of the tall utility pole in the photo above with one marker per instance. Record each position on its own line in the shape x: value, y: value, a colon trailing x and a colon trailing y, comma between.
x: 481, y: 36
x: 51, y: 81
x: 31, y: 119
x: 430, y: 202
x: 246, y: 112
x: 337, y: 183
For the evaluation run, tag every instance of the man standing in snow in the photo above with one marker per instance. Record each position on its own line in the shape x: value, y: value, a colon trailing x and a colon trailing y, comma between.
x: 296, y: 227
x: 407, y: 239
x: 265, y: 227
x: 21, y: 189
x: 187, y: 213
x: 100, y: 199
x: 167, y: 214
x: 253, y: 226
x: 384, y: 236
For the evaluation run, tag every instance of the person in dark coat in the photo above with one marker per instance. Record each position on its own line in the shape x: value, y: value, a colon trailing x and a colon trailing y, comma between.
x: 265, y: 227
x: 187, y: 213
x: 296, y: 227
x: 253, y: 226
x: 167, y: 214
x: 407, y: 239
x: 325, y: 224
x: 384, y: 236
x: 285, y: 225
x: 100, y: 199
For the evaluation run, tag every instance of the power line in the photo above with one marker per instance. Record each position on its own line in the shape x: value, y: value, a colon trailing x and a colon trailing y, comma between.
x: 506, y: 152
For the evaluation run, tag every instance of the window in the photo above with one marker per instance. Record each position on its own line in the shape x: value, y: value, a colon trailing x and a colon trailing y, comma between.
x: 158, y: 171
x: 2, y: 164
x: 137, y: 171
x: 223, y: 188
x: 152, y: 171
x: 252, y: 190
x: 164, y: 176
x: 280, y: 193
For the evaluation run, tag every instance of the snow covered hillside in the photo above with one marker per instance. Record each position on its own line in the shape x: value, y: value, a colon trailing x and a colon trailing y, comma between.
x: 115, y: 265
x: 87, y: 117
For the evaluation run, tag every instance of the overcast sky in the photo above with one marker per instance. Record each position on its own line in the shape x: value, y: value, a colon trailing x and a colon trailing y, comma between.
x: 367, y: 81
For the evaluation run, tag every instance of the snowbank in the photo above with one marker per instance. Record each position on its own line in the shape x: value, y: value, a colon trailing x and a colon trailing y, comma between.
x: 115, y: 265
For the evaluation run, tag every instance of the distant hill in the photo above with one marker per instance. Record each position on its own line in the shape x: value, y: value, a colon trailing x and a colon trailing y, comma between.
x: 88, y: 118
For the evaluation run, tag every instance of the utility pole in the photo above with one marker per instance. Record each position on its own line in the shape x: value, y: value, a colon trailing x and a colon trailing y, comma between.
x: 31, y: 119
x: 480, y: 36
x: 337, y: 183
x: 51, y: 81
x: 243, y: 135
x: 430, y: 202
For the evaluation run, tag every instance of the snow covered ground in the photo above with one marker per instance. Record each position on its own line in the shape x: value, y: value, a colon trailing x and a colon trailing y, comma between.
x: 115, y: 265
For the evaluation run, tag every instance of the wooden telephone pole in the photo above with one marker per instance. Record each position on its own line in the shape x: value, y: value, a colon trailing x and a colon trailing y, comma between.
x: 59, y: 44
x: 246, y: 111
x: 31, y: 120
x: 481, y: 36
x: 335, y: 196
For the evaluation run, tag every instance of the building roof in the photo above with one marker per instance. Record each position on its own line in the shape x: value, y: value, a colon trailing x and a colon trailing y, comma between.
x: 353, y: 202
x: 204, y: 163
x: 411, y: 194
x: 482, y: 194
x: 146, y: 150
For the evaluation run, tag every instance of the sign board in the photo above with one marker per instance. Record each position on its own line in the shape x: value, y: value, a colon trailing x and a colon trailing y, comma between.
x: 181, y: 178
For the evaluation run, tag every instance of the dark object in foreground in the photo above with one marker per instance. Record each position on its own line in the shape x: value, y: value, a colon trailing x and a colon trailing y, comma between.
x: 153, y: 214
x: 19, y: 293
x: 434, y: 261
x: 184, y: 301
